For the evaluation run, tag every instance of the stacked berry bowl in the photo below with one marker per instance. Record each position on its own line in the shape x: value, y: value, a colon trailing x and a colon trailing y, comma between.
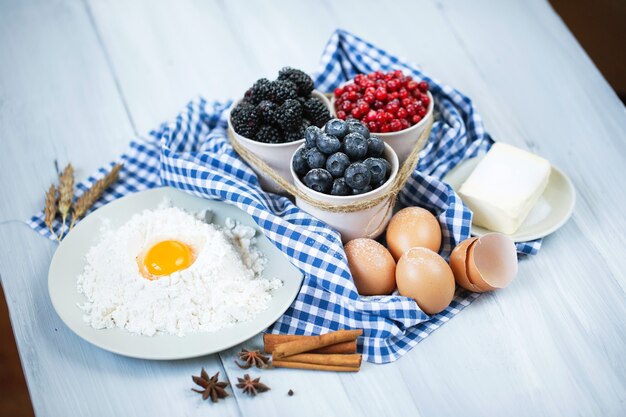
x: 344, y: 170
x: 342, y: 165
x: 394, y: 106
x: 269, y: 121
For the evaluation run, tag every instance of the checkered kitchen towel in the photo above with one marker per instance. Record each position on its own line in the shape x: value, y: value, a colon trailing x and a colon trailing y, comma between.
x: 193, y: 154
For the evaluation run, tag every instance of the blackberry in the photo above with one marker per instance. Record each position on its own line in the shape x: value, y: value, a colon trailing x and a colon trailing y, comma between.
x: 259, y: 91
x: 316, y: 111
x: 303, y: 82
x: 267, y: 112
x: 289, y: 116
x: 296, y: 135
x: 279, y: 91
x: 269, y: 134
x: 245, y: 120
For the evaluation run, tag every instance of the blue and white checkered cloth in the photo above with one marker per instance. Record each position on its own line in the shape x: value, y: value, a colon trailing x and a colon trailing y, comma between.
x: 193, y: 154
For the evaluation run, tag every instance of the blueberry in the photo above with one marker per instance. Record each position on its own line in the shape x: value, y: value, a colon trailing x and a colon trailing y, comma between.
x: 319, y: 180
x: 378, y: 169
x: 337, y: 163
x: 378, y: 185
x: 315, y: 158
x: 388, y: 165
x: 340, y: 187
x: 328, y: 144
x: 375, y: 146
x: 363, y: 190
x: 358, y: 175
x: 336, y: 127
x: 299, y: 162
x: 356, y: 126
x: 310, y: 136
x: 355, y: 146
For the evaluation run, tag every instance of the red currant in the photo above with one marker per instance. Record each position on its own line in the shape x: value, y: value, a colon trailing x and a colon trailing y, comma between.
x: 395, y: 125
x: 403, y: 93
x: 371, y: 116
x: 392, y: 85
x: 416, y: 119
x: 356, y: 113
x: 423, y: 86
x: 379, y: 104
x: 402, y: 113
x: 381, y: 94
x: 425, y: 99
x: 353, y: 96
x: 405, y: 123
x: 411, y: 109
x: 385, y: 128
x: 421, y: 111
x: 373, y: 126
x: 338, y: 92
x: 369, y: 98
x: 341, y: 114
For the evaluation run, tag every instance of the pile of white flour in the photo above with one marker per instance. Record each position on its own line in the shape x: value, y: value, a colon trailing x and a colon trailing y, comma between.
x: 222, y: 287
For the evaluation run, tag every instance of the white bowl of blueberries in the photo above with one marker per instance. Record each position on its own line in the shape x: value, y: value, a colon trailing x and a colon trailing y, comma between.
x: 340, y: 164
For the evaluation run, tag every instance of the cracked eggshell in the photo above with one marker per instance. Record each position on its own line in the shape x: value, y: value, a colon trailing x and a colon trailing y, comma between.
x: 492, y: 262
x: 484, y: 264
x: 458, y: 264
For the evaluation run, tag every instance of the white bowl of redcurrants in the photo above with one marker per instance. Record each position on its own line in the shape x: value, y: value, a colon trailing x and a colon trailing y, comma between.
x: 393, y: 105
x: 340, y: 165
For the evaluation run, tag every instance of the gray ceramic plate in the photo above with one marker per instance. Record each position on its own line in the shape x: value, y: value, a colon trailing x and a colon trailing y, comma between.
x: 69, y: 260
x: 550, y: 212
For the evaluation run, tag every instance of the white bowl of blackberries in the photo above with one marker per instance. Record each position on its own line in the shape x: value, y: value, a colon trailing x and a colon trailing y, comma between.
x: 271, y: 118
x: 341, y: 164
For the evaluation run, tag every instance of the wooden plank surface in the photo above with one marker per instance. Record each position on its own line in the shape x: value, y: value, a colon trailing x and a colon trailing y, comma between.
x: 80, y: 79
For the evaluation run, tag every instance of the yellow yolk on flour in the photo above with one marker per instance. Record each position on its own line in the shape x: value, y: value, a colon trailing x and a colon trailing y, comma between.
x: 165, y: 258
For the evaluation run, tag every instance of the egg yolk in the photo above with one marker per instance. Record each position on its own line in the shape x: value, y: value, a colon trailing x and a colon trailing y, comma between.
x: 167, y: 257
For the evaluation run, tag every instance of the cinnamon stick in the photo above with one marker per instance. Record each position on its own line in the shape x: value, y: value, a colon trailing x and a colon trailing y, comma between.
x: 313, y: 366
x: 315, y: 342
x: 349, y: 361
x: 270, y: 341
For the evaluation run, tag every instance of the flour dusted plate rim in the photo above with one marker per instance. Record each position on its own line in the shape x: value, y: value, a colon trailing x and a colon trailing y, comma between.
x: 554, y: 208
x: 69, y: 261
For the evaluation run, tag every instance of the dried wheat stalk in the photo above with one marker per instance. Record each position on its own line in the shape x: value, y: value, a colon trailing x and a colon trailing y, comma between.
x: 50, y: 209
x: 66, y: 192
x: 89, y: 197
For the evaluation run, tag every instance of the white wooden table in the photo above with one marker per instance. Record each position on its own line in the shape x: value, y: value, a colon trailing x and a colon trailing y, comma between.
x: 79, y: 79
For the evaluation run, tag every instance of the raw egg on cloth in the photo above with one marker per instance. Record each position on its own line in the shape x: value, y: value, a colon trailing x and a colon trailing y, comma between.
x: 413, y: 227
x: 424, y: 276
x: 372, y: 267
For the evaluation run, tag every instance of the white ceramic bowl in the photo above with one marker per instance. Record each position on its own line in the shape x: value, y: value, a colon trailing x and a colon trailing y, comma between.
x: 402, y: 141
x: 366, y: 223
x: 276, y: 155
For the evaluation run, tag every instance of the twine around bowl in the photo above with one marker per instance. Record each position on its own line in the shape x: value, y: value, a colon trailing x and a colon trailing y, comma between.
x: 402, y: 177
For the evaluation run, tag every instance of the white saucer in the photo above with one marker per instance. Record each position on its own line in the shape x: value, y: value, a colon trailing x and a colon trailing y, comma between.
x: 552, y: 210
x: 69, y: 260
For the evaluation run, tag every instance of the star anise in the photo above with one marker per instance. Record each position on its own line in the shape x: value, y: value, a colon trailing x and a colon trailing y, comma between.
x: 211, y: 386
x: 251, y: 386
x: 252, y: 358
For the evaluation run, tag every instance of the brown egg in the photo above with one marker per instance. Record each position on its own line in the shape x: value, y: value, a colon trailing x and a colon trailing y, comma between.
x: 413, y: 227
x: 485, y: 263
x: 372, y: 267
x: 426, y: 277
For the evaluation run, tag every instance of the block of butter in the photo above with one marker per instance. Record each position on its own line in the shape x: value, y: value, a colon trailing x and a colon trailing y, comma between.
x: 504, y: 187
